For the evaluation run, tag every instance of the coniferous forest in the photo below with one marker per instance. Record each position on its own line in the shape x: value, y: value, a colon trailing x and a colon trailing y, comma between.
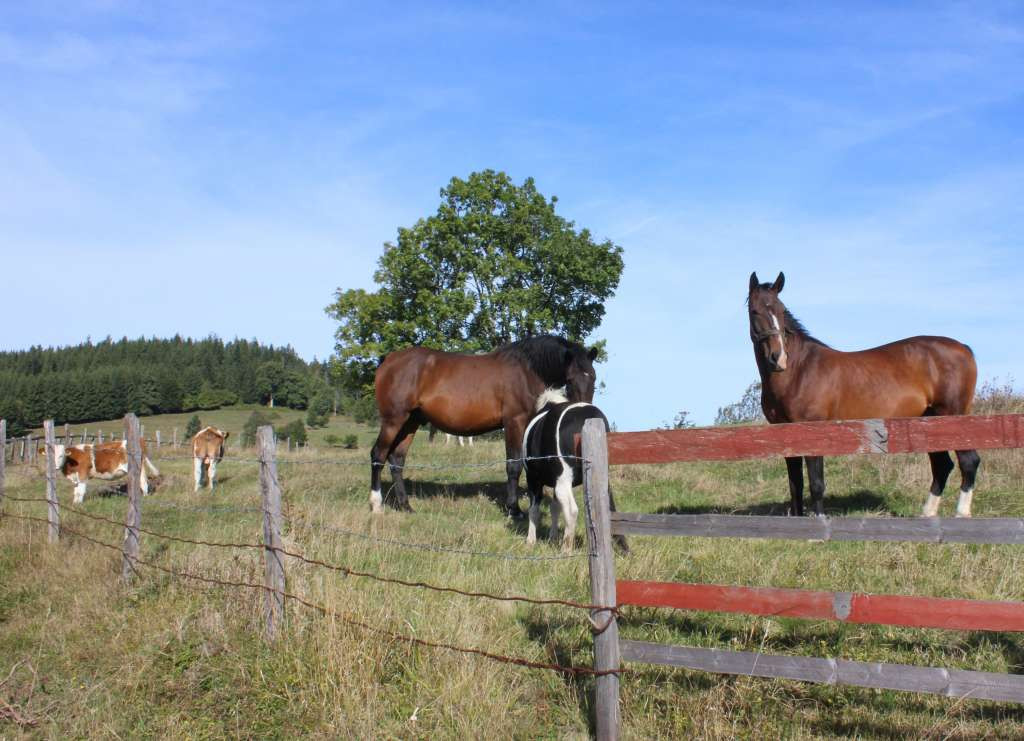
x: 95, y: 381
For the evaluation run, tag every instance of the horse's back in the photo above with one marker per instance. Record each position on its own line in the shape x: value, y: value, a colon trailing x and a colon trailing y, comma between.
x: 457, y: 392
x: 552, y: 440
x: 906, y: 378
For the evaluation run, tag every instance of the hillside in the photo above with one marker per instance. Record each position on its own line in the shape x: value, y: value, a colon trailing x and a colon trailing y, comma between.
x: 97, y: 381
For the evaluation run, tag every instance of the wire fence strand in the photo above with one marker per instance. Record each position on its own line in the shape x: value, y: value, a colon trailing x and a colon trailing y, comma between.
x: 344, y: 617
x: 339, y: 568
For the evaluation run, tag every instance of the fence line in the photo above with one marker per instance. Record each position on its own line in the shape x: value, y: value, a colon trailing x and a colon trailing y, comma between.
x: 571, y: 670
x: 799, y: 439
x: 342, y: 569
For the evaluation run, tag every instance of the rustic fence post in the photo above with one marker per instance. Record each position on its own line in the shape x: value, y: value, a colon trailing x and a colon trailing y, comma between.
x: 158, y: 440
x: 99, y: 435
x: 24, y: 448
x: 271, y: 492
x: 53, y: 510
x: 3, y: 457
x: 133, y: 453
x: 597, y: 511
x: 174, y: 438
x: 85, y: 435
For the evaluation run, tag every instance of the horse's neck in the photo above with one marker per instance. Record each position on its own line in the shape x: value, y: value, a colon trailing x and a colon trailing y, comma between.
x: 779, y: 389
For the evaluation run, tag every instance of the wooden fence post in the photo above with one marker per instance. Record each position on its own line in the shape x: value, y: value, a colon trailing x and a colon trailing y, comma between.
x: 158, y: 440
x: 271, y: 492
x: 99, y: 435
x: 174, y: 438
x: 133, y: 519
x: 3, y: 457
x: 53, y: 511
x: 597, y: 511
x: 85, y: 435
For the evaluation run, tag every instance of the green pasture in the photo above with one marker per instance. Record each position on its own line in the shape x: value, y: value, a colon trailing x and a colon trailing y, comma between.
x: 83, y: 656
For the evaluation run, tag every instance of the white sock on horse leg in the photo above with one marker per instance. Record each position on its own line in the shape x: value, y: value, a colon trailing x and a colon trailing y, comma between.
x: 963, y: 507
x: 931, y: 506
x: 376, y: 501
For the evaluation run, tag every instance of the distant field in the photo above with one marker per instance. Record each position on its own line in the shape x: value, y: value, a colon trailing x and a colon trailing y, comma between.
x: 165, y: 658
x: 231, y: 419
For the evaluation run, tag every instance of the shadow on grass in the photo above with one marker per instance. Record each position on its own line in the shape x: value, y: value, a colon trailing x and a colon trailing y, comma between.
x: 862, y: 500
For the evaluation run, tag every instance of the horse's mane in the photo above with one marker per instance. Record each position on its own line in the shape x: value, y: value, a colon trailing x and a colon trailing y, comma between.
x: 544, y: 354
x: 797, y: 327
x: 550, y: 397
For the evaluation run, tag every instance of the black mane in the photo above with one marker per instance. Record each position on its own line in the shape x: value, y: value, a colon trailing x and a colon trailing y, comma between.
x: 544, y: 354
x: 795, y: 326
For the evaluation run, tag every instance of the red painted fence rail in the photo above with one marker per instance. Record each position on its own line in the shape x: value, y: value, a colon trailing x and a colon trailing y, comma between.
x: 904, y: 435
x: 875, y: 609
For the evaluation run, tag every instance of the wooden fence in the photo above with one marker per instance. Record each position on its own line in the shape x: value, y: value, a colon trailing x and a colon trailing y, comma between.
x: 799, y: 439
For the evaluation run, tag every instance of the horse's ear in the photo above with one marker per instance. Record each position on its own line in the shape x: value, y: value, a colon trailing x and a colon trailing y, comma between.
x: 592, y: 354
x: 779, y: 283
x: 754, y: 282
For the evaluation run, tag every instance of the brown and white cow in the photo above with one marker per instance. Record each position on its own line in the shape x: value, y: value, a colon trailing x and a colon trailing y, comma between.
x: 207, y: 450
x: 79, y: 463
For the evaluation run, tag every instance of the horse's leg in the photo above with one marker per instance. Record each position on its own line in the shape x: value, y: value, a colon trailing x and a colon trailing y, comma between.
x: 816, y: 480
x: 536, y: 489
x: 567, y: 503
x: 942, y: 466
x: 397, y: 460
x: 795, y: 469
x: 514, y: 429
x: 389, y: 430
x: 969, y: 461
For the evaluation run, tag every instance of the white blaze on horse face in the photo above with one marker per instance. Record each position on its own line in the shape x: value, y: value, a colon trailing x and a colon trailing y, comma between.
x: 963, y: 507
x: 376, y: 501
x: 931, y: 506
x: 781, y: 362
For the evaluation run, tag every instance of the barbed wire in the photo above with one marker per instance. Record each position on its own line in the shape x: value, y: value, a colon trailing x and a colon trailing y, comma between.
x: 339, y: 568
x: 344, y: 617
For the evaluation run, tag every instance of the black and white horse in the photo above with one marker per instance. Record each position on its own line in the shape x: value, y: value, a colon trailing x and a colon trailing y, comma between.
x: 549, y: 447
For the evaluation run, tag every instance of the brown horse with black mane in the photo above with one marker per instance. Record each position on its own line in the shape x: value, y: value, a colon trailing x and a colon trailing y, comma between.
x: 469, y: 395
x: 803, y: 379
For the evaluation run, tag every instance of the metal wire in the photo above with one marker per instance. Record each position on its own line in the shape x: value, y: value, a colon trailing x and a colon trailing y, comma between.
x: 344, y: 617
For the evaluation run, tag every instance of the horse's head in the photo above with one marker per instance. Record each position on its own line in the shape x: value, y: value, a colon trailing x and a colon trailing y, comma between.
x: 768, y: 321
x: 579, y: 373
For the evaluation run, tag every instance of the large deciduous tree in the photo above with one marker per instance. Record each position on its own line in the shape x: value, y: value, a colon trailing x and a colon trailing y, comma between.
x: 495, y: 264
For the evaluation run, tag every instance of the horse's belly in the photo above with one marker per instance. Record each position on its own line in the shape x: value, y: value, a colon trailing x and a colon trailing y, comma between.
x: 461, y: 416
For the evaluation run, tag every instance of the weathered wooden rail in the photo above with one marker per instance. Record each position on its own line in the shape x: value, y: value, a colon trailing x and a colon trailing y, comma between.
x: 917, y: 435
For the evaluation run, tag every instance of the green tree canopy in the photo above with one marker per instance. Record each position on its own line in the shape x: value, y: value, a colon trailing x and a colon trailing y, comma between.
x: 494, y: 264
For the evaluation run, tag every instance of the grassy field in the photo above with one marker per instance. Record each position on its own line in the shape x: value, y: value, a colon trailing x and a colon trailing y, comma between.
x: 82, y: 656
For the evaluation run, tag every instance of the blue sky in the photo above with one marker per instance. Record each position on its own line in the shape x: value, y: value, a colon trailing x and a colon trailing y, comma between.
x: 224, y: 167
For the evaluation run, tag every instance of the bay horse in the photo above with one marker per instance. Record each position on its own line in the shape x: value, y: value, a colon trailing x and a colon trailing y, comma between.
x: 803, y: 379
x: 550, y: 451
x: 464, y: 394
